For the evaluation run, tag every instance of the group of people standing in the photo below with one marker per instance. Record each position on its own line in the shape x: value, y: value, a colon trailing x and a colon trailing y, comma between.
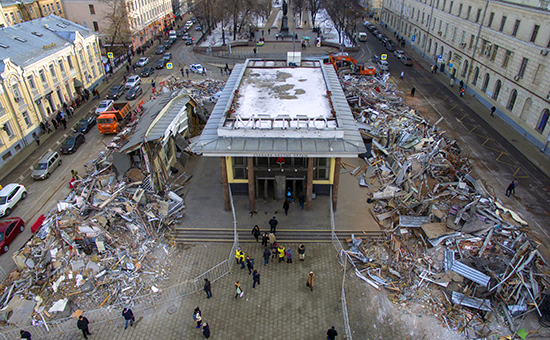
x: 197, y: 317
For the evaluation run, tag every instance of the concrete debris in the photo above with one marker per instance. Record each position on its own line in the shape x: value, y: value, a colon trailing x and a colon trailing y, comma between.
x: 448, y: 242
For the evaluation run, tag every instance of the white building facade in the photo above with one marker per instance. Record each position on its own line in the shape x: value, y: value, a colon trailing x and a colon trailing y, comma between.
x: 499, y: 49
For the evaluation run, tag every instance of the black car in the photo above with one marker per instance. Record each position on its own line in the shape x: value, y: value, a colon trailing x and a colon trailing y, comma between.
x: 147, y: 71
x: 71, y: 143
x: 179, y: 33
x: 116, y: 92
x: 172, y: 41
x: 160, y: 50
x: 85, y: 125
x: 167, y: 45
x: 390, y: 47
x: 134, y: 92
x: 189, y: 41
x: 160, y: 63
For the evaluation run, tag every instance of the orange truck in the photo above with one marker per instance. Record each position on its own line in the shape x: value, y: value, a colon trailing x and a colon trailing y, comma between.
x: 344, y: 64
x: 113, y: 121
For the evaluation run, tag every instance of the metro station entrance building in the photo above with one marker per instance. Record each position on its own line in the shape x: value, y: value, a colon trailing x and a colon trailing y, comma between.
x: 277, y: 127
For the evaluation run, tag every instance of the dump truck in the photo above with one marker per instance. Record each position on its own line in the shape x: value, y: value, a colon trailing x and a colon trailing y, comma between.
x: 344, y: 64
x: 113, y: 121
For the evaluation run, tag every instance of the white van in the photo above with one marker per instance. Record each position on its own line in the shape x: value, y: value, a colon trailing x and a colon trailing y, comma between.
x: 173, y: 34
x: 362, y: 36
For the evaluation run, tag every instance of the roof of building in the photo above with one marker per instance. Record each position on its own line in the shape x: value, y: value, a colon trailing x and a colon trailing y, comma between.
x: 6, y: 3
x: 294, y: 112
x: 27, y: 42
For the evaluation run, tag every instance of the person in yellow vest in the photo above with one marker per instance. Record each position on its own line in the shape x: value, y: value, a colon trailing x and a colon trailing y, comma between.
x: 281, y: 251
x: 239, y: 256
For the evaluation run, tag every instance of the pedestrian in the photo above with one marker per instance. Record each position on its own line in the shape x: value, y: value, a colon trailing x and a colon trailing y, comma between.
x: 273, y: 224
x: 268, y: 31
x: 331, y: 334
x: 273, y: 251
x: 265, y: 238
x: 302, y: 251
x: 402, y: 75
x: 511, y: 188
x: 281, y: 252
x: 36, y: 138
x: 153, y: 83
x: 262, y: 33
x: 249, y: 264
x: 272, y: 239
x: 182, y: 73
x: 42, y: 127
x: 74, y: 174
x: 207, y: 288
x: 302, y: 200
x: 197, y: 316
x: 127, y: 68
x: 239, y: 291
x: 187, y: 72
x: 134, y: 68
x: 256, y: 232
x: 239, y: 255
x: 286, y: 206
x: 452, y: 82
x: 226, y: 67
x: 412, y: 92
x: 493, y: 109
x: 267, y: 254
x: 221, y: 71
x: 310, y: 280
x: 25, y: 334
x: 255, y: 51
x: 296, y: 36
x: 204, y: 71
x: 255, y: 278
x: 206, y: 330
x: 54, y: 122
x: 128, y: 316
x: 82, y: 324
x: 48, y: 127
x: 288, y: 195
x: 461, y: 83
x: 289, y: 256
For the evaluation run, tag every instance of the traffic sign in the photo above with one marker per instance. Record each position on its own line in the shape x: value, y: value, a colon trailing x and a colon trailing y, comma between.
x: 384, y: 57
x: 439, y: 56
x: 450, y: 64
x: 110, y: 55
x: 169, y: 66
x: 413, y: 38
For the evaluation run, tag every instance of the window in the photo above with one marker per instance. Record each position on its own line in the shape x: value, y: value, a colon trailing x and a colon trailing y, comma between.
x: 58, y: 7
x: 468, y: 12
x: 92, y: 9
x: 459, y: 9
x: 543, y: 121
x: 42, y: 76
x: 516, y: 27
x: 321, y: 169
x: 465, y: 68
x: 44, y: 8
x: 7, y: 18
x: 30, y: 80
x: 8, y: 129
x: 494, y: 53
x: 444, y: 4
x: 512, y: 101
x: 471, y: 44
x: 454, y: 34
x: 239, y: 168
x: 476, y: 75
x: 70, y: 62
x: 93, y: 71
x: 534, y: 34
x: 446, y: 29
x: 507, y: 57
x: 90, y: 57
x: 48, y: 7
x: 15, y: 89
x: 539, y: 74
x: 19, y: 16
x: 502, y: 23
x: 12, y: 17
x: 498, y: 85
x: 523, y: 67
x: 485, y: 82
x: 96, y: 26
x: 451, y: 7
x: 491, y: 17
x: 26, y: 118
x: 483, y: 47
x: 52, y: 71
x: 61, y: 67
x: 478, y: 15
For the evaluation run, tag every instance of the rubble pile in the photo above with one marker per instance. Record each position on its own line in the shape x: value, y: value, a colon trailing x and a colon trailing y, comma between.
x: 204, y: 91
x: 450, y: 245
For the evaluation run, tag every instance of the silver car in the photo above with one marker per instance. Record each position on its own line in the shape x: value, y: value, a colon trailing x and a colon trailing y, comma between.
x: 46, y: 165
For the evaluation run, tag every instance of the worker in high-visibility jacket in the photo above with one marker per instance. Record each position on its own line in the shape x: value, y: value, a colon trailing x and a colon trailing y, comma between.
x: 281, y: 251
x: 239, y: 256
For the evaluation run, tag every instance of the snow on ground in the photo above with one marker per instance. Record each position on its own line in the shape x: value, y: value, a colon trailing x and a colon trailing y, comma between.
x: 283, y: 91
x: 328, y: 30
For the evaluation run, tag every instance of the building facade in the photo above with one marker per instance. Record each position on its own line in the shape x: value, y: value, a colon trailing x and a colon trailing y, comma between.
x: 15, y: 12
x: 500, y: 50
x: 44, y: 63
x: 145, y: 18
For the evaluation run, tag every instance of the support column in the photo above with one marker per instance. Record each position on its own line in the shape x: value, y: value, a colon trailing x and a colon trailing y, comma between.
x: 251, y: 183
x: 336, y: 182
x: 225, y: 185
x: 309, y: 185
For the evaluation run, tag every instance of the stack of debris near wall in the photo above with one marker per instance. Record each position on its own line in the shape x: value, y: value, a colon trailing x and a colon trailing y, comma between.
x: 203, y: 91
x: 450, y: 243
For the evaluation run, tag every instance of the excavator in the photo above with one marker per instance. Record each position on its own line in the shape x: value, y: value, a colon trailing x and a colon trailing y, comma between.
x: 344, y: 64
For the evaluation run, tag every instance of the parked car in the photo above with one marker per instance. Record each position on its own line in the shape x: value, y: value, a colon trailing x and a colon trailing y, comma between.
x: 198, y: 28
x: 104, y: 105
x: 383, y: 65
x: 116, y: 91
x: 160, y: 63
x: 406, y: 60
x: 166, y: 45
x: 398, y: 53
x: 172, y: 41
x: 10, y: 195
x: 134, y: 92
x: 179, y: 33
x: 196, y: 68
x: 147, y: 71
x: 46, y: 165
x: 160, y: 50
x: 390, y: 47
x: 133, y: 81
x: 9, y: 229
x: 71, y: 143
x: 85, y: 125
x: 189, y: 41
x: 142, y: 62
x: 167, y: 56
x: 186, y: 36
x: 375, y: 59
x: 193, y: 20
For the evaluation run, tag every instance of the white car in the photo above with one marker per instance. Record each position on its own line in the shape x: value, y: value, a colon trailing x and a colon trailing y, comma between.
x: 133, y: 81
x: 196, y: 68
x: 383, y: 65
x: 105, y: 105
x: 10, y: 195
x: 398, y: 54
x: 142, y: 62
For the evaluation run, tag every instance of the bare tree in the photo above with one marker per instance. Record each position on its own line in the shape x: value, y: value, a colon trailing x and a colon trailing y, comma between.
x: 314, y: 6
x: 344, y: 14
x: 298, y: 6
x: 206, y: 13
x: 118, y: 29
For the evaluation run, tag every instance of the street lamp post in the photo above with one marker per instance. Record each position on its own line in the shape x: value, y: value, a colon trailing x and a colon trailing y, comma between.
x: 250, y: 31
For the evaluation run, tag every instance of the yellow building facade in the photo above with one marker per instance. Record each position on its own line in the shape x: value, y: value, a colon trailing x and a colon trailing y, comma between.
x: 44, y: 63
x: 15, y: 12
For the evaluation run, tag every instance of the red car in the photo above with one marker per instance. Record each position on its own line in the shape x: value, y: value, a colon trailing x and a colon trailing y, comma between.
x: 9, y: 229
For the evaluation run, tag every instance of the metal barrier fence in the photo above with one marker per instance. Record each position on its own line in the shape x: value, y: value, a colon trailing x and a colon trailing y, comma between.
x: 342, y: 259
x: 140, y: 303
